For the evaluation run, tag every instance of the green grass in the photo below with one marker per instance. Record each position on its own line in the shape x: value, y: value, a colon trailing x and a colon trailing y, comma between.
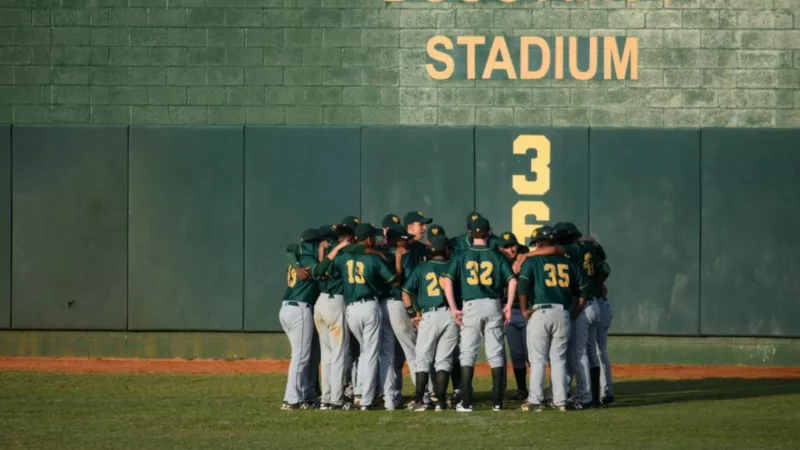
x: 42, y: 411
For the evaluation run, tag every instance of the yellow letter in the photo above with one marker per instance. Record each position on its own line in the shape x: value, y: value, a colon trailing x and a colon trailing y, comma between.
x: 441, y: 57
x: 630, y: 57
x: 573, y: 59
x: 524, y: 71
x: 499, y: 47
x: 471, y: 42
x: 520, y: 213
x: 559, y: 58
x: 540, y: 165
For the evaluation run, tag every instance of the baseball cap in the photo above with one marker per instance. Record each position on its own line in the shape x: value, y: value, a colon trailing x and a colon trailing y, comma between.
x: 397, y: 232
x: 473, y: 216
x: 544, y: 233
x: 366, y: 230
x: 309, y: 235
x: 480, y: 224
x: 348, y: 223
x: 435, y: 230
x: 416, y: 216
x: 508, y: 238
x: 390, y: 220
x: 327, y: 232
x: 439, y: 243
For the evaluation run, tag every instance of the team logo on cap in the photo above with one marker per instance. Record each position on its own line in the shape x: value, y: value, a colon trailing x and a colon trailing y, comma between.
x: 506, y: 236
x: 535, y: 233
x: 435, y: 231
x: 356, y: 220
x: 333, y: 227
x: 420, y: 214
x: 395, y: 219
x: 475, y: 217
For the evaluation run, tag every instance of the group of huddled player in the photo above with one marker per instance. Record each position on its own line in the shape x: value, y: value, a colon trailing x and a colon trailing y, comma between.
x: 358, y: 310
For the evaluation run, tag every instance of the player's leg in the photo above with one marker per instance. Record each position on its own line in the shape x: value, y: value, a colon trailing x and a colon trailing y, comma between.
x: 312, y: 374
x: 367, y: 320
x: 386, y: 375
x: 403, y: 331
x: 297, y: 323
x: 443, y: 359
x: 606, y: 388
x: 593, y: 315
x: 470, y: 339
x: 326, y: 376
x: 425, y: 351
x: 538, y: 351
x: 559, y: 324
x: 338, y: 344
x: 494, y: 340
x: 516, y: 337
x: 583, y: 392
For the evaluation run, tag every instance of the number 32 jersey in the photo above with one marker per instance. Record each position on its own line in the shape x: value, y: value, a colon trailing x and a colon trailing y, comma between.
x: 481, y: 272
x: 550, y: 279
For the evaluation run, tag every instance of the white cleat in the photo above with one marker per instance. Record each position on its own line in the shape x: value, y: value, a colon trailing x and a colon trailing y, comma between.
x: 461, y: 408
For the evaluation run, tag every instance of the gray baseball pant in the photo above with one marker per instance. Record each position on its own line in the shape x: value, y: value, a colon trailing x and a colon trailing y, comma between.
x: 584, y: 337
x: 298, y: 324
x: 548, y: 335
x: 386, y: 374
x: 482, y: 320
x: 606, y: 316
x: 329, y: 319
x: 364, y: 320
x: 436, y: 341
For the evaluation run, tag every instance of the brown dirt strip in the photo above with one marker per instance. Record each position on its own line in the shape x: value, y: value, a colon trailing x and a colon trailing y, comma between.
x: 208, y: 366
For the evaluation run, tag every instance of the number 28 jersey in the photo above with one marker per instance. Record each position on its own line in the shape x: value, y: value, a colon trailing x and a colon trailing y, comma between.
x: 481, y: 272
x: 426, y: 282
x: 550, y: 279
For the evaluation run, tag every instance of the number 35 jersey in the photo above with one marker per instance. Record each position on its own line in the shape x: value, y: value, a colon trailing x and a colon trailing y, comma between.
x: 427, y: 283
x: 481, y: 272
x: 550, y: 279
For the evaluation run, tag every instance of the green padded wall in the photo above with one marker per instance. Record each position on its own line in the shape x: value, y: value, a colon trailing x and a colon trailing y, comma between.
x: 750, y: 192
x: 417, y: 169
x: 5, y: 226
x: 69, y: 222
x: 645, y: 209
x: 560, y: 189
x: 186, y: 228
x: 295, y: 178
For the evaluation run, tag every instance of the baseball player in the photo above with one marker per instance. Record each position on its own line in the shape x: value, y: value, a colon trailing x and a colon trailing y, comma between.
x: 549, y: 283
x: 433, y: 231
x: 297, y: 322
x: 482, y: 273
x: 459, y: 243
x: 364, y: 277
x: 515, y: 330
x: 438, y: 333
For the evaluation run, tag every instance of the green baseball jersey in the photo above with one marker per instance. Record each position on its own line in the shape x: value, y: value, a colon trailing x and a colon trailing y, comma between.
x: 418, y: 251
x: 426, y: 283
x: 582, y: 253
x: 481, y: 272
x: 298, y: 289
x: 407, y: 262
x: 362, y: 276
x: 463, y: 242
x: 327, y: 283
x: 550, y: 279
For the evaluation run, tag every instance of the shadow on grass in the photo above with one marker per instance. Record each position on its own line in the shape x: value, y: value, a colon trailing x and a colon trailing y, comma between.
x: 632, y: 393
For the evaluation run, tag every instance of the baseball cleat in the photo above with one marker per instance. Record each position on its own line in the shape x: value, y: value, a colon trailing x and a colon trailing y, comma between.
x: 439, y: 408
x: 346, y: 407
x: 308, y: 405
x: 417, y: 407
x: 290, y: 406
x: 561, y: 408
x: 497, y: 408
x: 547, y: 402
x: 325, y: 407
x: 607, y: 400
x: 365, y: 408
x: 521, y: 395
x: 357, y: 400
x: 461, y: 408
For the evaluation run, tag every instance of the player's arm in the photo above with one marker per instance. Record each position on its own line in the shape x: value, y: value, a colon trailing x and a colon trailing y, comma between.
x: 449, y: 294
x: 321, y: 268
x: 510, y: 280
x: 385, y: 272
x: 578, y: 289
x: 401, y: 255
x: 410, y: 288
x: 523, y: 287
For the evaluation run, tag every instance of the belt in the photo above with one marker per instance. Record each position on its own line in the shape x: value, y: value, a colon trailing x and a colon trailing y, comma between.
x: 300, y: 304
x: 434, y: 308
x: 547, y: 306
x: 365, y: 300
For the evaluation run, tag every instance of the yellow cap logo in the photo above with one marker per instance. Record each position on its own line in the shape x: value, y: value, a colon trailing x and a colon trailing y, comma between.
x: 475, y: 217
x: 535, y: 233
x: 420, y: 214
x: 395, y: 219
x: 506, y: 236
x: 434, y: 231
x: 478, y: 230
x: 357, y: 221
x: 333, y: 227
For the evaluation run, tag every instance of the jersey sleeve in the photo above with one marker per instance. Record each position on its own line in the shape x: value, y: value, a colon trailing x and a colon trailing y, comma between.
x: 383, y: 270
x: 354, y: 248
x: 525, y: 277
x: 454, y: 271
x: 411, y: 285
x: 580, y: 285
x: 505, y: 269
x: 322, y: 268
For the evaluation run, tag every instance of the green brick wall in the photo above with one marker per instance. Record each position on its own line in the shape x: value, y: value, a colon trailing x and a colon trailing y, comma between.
x: 711, y: 63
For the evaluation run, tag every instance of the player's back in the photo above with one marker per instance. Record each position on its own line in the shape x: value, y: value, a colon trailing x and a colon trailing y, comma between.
x: 362, y: 275
x: 297, y: 288
x: 482, y: 272
x: 553, y: 279
x: 426, y: 283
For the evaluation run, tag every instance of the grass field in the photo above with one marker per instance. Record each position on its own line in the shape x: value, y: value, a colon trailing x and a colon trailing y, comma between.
x: 146, y: 411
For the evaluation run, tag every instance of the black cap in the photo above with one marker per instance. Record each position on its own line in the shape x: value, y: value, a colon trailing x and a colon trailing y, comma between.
x: 544, y: 233
x: 435, y: 230
x: 390, y: 220
x: 365, y: 230
x: 327, y: 232
x: 472, y: 217
x: 349, y: 223
x: 439, y: 243
x: 508, y: 238
x: 480, y: 225
x: 416, y: 216
x: 397, y: 232
x: 310, y: 234
x: 566, y: 232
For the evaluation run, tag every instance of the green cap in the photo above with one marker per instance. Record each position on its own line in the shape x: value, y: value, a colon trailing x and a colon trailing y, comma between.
x: 310, y: 234
x: 390, y: 220
x: 508, y: 238
x: 416, y: 216
x: 435, y: 230
x: 327, y: 232
x: 397, y: 232
x: 349, y: 223
x: 472, y: 217
x: 366, y: 230
x: 439, y: 243
x: 544, y: 233
x: 480, y: 225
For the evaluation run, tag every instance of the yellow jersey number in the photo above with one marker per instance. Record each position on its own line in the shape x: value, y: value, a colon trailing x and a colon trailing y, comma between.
x: 485, y: 276
x: 435, y: 284
x: 587, y: 264
x: 557, y: 275
x: 357, y: 276
x: 291, y: 277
